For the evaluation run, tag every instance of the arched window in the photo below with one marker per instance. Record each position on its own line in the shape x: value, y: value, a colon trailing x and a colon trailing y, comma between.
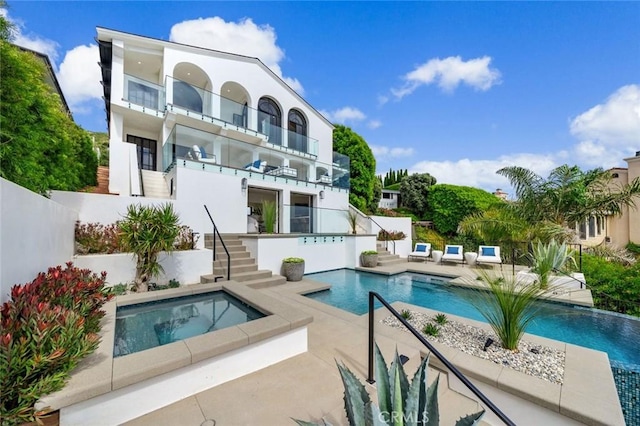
x: 297, y: 131
x: 270, y: 120
x: 184, y: 95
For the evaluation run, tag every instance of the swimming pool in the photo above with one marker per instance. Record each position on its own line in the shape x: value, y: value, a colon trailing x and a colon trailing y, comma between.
x: 147, y: 325
x: 617, y: 335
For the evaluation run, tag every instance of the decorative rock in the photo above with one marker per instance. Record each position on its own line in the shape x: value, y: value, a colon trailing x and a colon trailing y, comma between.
x: 535, y: 360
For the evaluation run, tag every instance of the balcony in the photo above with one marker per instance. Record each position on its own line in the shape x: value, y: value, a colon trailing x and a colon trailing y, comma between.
x: 212, y: 152
x: 143, y: 93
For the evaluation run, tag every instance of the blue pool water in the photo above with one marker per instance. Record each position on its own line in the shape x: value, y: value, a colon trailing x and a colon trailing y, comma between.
x: 617, y: 335
x: 147, y: 325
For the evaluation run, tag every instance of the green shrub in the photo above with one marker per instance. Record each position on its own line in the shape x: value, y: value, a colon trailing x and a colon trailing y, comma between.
x: 431, y: 329
x: 186, y: 239
x: 406, y: 314
x: 390, y: 235
x: 441, y: 319
x: 614, y: 287
x: 634, y: 248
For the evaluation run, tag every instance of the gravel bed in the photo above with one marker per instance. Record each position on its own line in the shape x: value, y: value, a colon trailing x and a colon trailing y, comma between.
x: 535, y: 360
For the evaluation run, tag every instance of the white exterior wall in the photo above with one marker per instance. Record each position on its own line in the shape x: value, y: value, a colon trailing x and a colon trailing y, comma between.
x: 184, y: 266
x: 402, y: 247
x: 323, y: 254
x: 36, y: 233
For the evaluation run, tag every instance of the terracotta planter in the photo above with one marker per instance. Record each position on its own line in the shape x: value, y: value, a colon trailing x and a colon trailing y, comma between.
x: 369, y: 260
x: 293, y: 271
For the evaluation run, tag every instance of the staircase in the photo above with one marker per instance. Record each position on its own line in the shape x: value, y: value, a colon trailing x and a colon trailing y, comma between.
x: 385, y: 257
x: 154, y: 185
x: 243, y: 267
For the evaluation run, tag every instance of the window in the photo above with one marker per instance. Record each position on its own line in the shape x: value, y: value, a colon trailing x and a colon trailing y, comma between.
x: 297, y: 131
x: 592, y: 226
x: 270, y: 120
x: 583, y: 230
x: 141, y: 94
x: 147, y: 149
x: 386, y: 195
x: 186, y: 96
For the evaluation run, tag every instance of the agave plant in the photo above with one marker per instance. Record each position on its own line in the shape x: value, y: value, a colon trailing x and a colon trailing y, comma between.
x: 550, y: 257
x: 269, y: 211
x: 400, y: 403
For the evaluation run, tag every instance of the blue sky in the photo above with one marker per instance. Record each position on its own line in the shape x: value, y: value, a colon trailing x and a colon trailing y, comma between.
x: 454, y: 89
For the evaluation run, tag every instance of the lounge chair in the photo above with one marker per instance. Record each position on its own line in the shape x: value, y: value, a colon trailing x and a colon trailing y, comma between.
x: 257, y: 166
x: 199, y: 154
x: 420, y: 251
x: 489, y: 255
x: 282, y: 171
x: 325, y: 178
x: 452, y: 253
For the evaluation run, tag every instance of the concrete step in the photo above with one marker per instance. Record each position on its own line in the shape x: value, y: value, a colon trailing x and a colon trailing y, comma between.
x: 234, y: 255
x: 210, y: 278
x: 234, y: 261
x: 252, y: 275
x: 208, y: 239
x: 154, y: 184
x: 266, y: 282
x: 235, y: 269
x: 231, y: 248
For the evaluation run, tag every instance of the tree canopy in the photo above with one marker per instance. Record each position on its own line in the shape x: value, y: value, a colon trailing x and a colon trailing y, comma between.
x: 362, y: 166
x: 449, y: 204
x: 414, y: 190
x: 41, y: 148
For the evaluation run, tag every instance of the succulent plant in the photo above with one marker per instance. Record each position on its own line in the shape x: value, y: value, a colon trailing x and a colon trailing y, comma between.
x: 441, y: 319
x: 406, y: 314
x: 431, y: 329
x: 400, y: 403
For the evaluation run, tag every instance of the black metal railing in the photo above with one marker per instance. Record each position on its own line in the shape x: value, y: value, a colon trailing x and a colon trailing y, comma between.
x: 386, y: 242
x: 224, y: 246
x: 486, y: 401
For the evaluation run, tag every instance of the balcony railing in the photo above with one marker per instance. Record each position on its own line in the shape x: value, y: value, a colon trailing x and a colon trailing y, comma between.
x: 212, y: 150
x: 314, y: 220
x: 144, y: 93
x: 197, y: 100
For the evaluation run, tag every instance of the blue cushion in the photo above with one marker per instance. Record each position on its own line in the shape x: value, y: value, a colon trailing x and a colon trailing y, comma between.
x: 488, y: 251
x: 203, y: 153
x: 421, y: 247
x: 256, y: 164
x: 248, y: 165
x: 453, y: 250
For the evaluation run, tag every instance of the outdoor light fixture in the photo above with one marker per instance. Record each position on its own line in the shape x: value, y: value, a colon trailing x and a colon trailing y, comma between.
x: 244, y: 184
x: 487, y: 344
x: 322, y: 195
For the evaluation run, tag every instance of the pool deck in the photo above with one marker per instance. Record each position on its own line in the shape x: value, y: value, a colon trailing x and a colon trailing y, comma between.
x: 308, y: 386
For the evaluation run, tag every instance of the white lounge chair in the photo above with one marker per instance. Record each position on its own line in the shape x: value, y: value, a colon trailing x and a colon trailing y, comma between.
x: 199, y: 154
x: 452, y: 253
x: 257, y: 166
x: 421, y: 251
x: 489, y: 255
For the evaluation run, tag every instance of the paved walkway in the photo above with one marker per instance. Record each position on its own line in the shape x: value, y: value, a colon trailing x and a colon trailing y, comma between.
x: 308, y: 386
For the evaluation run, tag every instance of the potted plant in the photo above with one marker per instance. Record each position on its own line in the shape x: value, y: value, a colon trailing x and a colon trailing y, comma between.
x: 269, y: 212
x: 293, y: 268
x: 369, y: 258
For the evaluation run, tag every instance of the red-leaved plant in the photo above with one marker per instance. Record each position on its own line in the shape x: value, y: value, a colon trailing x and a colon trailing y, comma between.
x: 48, y: 326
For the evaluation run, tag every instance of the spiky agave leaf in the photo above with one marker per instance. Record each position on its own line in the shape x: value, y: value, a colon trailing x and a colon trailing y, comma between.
x: 471, y: 419
x: 382, y: 385
x: 305, y: 423
x: 355, y: 397
x: 399, y: 385
x: 373, y: 415
x: 432, y: 417
x: 416, y: 403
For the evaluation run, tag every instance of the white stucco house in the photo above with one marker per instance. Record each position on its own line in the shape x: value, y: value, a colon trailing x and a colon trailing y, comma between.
x: 220, y: 129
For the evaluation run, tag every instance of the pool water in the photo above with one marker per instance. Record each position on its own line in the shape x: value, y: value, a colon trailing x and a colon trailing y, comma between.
x: 147, y: 325
x: 617, y: 335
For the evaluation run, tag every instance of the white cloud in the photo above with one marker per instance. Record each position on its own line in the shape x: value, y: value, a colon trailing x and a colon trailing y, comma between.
x: 243, y: 37
x: 344, y: 115
x: 610, y: 131
x: 374, y: 124
x: 482, y: 173
x: 450, y: 72
x: 383, y: 153
x: 79, y: 77
x: 31, y: 41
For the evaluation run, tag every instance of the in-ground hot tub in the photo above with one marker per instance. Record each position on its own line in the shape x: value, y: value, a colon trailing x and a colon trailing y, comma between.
x: 147, y: 325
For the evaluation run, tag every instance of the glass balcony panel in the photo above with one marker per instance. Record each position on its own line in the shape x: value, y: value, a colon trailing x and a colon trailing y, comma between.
x: 143, y: 93
x: 341, y: 170
x: 193, y: 145
x: 315, y: 220
x: 302, y: 143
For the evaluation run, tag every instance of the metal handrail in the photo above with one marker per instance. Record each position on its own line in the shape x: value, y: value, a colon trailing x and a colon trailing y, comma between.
x: 387, y: 232
x: 486, y: 401
x: 224, y: 246
x: 582, y: 283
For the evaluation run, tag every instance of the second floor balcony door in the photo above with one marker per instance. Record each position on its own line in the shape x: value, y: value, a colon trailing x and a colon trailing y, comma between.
x: 147, y: 150
x: 297, y: 131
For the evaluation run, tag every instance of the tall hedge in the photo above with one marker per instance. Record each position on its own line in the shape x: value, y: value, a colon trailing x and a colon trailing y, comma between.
x: 449, y: 204
x: 41, y: 148
x: 362, y: 163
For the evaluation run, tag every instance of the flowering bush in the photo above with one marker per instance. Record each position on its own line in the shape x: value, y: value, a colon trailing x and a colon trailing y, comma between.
x: 390, y: 235
x: 96, y: 238
x: 48, y: 326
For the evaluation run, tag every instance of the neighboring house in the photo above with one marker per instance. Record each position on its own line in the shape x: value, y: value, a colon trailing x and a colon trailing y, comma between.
x: 618, y: 230
x: 390, y: 199
x: 220, y: 129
